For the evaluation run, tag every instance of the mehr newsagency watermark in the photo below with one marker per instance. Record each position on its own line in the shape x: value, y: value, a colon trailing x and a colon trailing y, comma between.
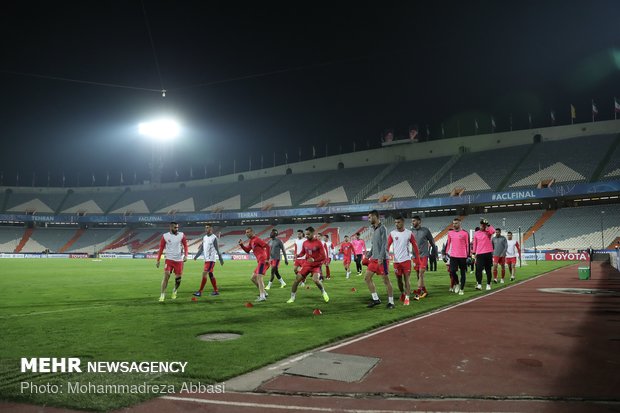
x: 75, y: 365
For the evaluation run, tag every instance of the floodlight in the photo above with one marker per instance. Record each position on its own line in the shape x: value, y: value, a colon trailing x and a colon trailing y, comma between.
x: 161, y: 130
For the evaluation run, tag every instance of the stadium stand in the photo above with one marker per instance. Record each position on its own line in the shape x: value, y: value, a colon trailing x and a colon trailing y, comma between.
x: 612, y: 168
x: 580, y: 228
x: 570, y: 160
x: 241, y: 194
x: 34, y: 201
x: 49, y: 238
x: 409, y: 176
x: 300, y: 186
x: 470, y: 164
x: 567, y: 228
x: 353, y: 179
x: 90, y: 202
x: 9, y: 238
x: 480, y: 171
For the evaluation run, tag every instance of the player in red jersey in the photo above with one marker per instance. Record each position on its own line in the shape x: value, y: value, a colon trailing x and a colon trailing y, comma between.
x: 175, y: 244
x: 346, y: 248
x: 314, y: 251
x: 261, y: 252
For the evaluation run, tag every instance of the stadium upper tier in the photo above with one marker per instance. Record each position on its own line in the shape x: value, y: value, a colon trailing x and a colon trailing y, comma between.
x: 570, y: 160
x: 450, y: 167
x: 567, y: 228
x: 611, y: 171
x: 480, y: 171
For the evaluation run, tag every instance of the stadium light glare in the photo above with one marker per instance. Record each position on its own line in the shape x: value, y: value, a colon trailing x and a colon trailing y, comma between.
x: 160, y: 130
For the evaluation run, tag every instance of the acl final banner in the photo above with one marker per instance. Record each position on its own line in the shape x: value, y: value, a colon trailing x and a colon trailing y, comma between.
x: 567, y: 256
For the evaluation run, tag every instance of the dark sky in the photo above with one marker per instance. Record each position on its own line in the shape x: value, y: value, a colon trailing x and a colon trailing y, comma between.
x: 356, y: 69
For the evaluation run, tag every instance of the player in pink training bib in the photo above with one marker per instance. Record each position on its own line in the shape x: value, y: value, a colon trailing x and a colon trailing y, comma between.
x: 457, y: 248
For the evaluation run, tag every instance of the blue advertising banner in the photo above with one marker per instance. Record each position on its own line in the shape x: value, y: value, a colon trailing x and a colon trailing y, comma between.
x: 563, y: 190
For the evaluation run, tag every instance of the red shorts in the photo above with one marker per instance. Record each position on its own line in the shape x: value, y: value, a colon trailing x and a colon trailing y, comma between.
x: 308, y: 268
x: 365, y: 261
x: 423, y: 263
x: 299, y: 262
x: 499, y: 260
x: 373, y: 266
x: 261, y: 268
x: 346, y: 261
x: 275, y: 263
x: 209, y: 266
x: 512, y: 260
x: 402, y: 268
x: 174, y: 266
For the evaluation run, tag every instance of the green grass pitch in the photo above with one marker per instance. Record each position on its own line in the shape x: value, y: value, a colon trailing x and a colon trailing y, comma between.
x: 108, y: 311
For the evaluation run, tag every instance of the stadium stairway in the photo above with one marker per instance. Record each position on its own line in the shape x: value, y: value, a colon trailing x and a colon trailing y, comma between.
x: 313, y: 190
x: 123, y: 239
x: 601, y: 166
x: 63, y: 201
x: 438, y: 175
x: 509, y: 175
x: 614, y: 243
x: 446, y: 229
x: 116, y: 201
x: 24, y: 240
x: 148, y: 243
x: 361, y: 195
x: 74, y: 238
x: 257, y: 199
x: 539, y: 223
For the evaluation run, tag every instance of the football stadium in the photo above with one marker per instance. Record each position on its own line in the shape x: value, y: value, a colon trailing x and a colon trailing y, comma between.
x: 161, y: 262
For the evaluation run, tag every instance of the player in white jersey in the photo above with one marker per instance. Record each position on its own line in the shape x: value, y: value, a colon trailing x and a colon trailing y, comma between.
x: 512, y: 252
x: 328, y: 255
x: 175, y: 245
x: 298, y: 248
x: 401, y: 238
x: 210, y: 251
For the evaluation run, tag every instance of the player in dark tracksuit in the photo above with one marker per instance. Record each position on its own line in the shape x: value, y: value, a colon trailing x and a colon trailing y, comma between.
x: 277, y: 249
x: 432, y: 259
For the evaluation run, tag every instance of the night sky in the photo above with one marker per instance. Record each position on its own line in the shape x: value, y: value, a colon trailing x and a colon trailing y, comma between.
x: 250, y: 79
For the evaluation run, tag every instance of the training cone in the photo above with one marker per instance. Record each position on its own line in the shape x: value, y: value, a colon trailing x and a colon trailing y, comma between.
x: 194, y: 299
x: 317, y: 312
x: 249, y: 305
x: 307, y: 287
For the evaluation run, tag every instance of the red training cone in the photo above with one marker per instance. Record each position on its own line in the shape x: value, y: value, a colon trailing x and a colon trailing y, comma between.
x: 317, y: 312
x: 249, y: 305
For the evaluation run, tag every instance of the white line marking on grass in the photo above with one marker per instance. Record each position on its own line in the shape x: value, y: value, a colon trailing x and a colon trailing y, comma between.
x: 55, y: 311
x: 290, y: 407
x: 432, y: 313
